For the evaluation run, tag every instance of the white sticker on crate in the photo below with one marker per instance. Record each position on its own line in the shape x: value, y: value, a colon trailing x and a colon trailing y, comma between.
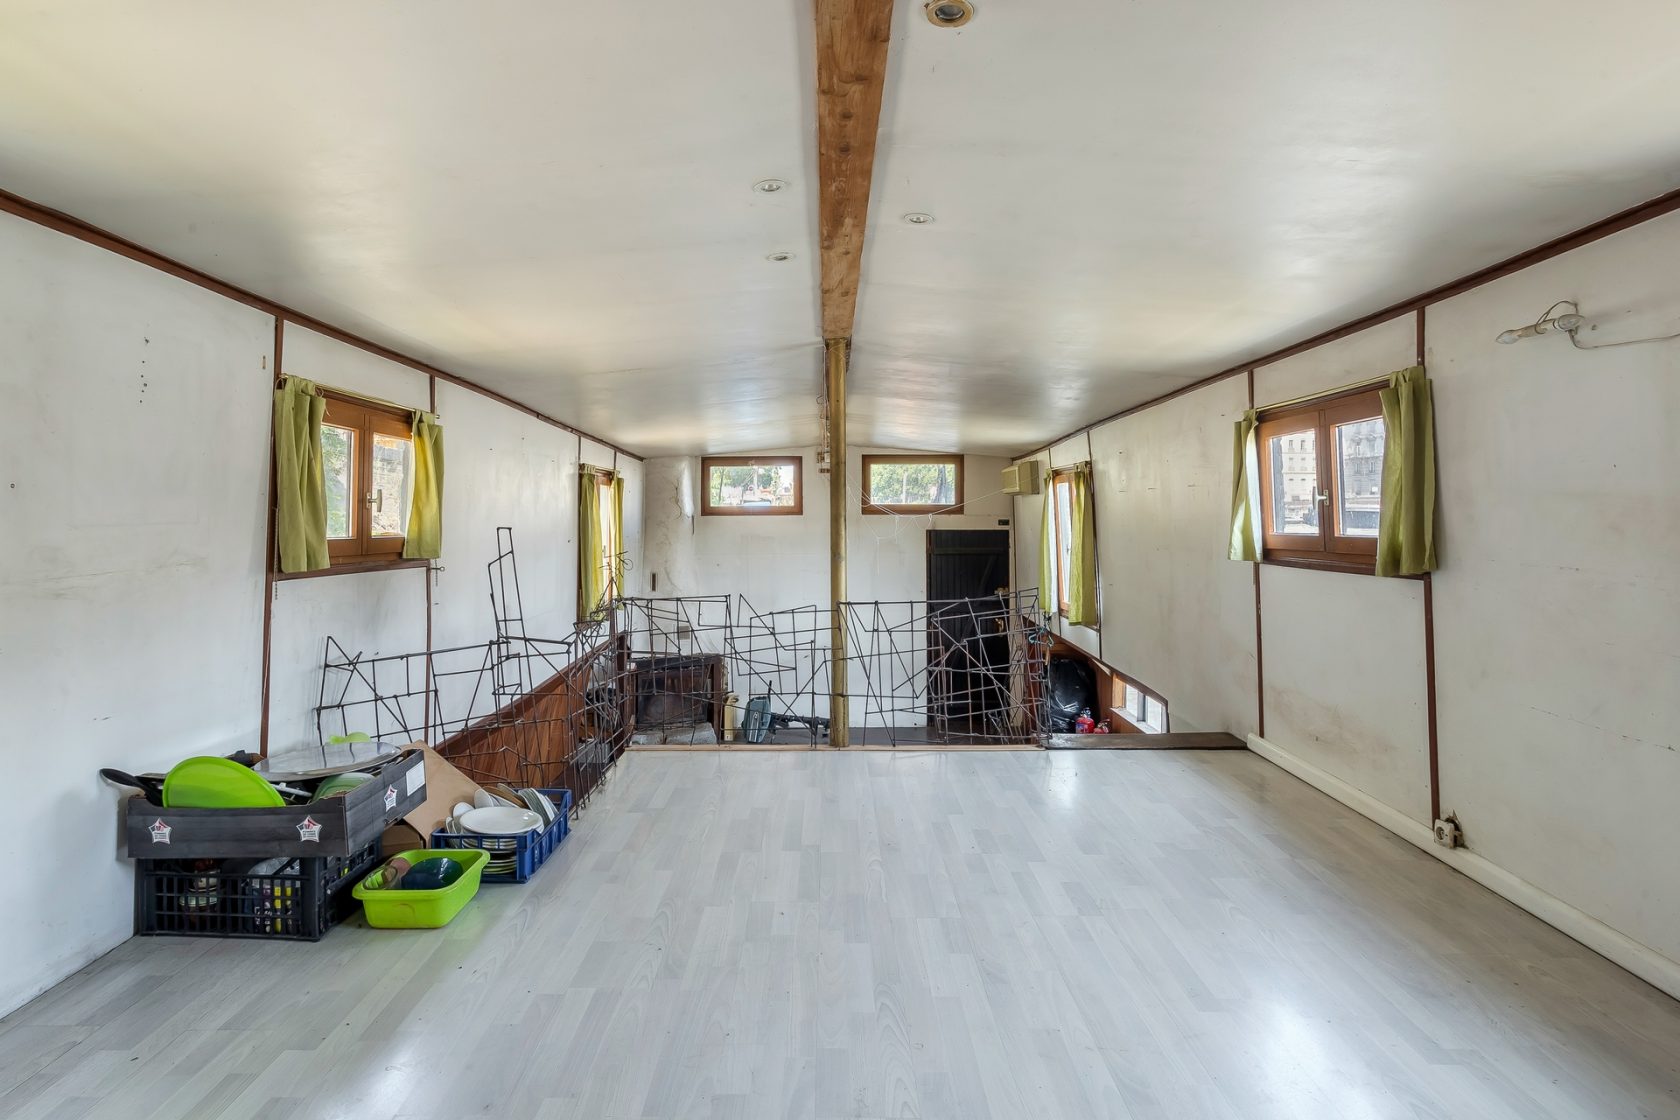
x: 160, y: 832
x: 309, y: 829
x: 417, y: 777
x: 390, y: 798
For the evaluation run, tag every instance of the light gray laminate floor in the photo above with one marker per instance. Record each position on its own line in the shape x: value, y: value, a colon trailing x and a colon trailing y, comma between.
x: 1081, y: 934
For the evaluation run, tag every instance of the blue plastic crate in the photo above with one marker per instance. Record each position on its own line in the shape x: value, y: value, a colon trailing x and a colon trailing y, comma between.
x: 531, y: 850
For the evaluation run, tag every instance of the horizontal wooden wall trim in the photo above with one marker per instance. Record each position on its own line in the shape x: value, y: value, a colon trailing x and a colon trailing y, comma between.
x: 61, y: 222
x: 1586, y: 235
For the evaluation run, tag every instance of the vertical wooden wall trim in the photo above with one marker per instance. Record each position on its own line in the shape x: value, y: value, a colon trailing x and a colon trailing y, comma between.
x: 268, y: 544
x: 1429, y: 648
x: 431, y: 406
x: 1429, y: 697
x: 1259, y: 640
x: 1090, y: 457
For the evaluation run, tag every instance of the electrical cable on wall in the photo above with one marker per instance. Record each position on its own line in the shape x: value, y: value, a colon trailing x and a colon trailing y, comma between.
x: 1571, y: 325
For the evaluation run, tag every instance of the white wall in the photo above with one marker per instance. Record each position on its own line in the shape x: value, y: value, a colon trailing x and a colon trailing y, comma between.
x: 1556, y: 607
x: 379, y: 613
x: 134, y: 444
x: 133, y: 467
x: 1177, y: 615
x: 1344, y: 661
x: 782, y: 562
x: 505, y: 468
x: 501, y: 468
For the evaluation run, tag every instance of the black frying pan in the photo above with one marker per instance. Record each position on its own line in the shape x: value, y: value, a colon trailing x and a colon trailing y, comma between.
x: 150, y: 786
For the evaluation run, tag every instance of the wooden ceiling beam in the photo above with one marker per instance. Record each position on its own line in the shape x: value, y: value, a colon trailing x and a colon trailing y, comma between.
x: 852, y: 37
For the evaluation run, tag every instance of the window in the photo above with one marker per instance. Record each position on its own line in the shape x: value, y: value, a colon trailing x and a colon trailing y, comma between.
x: 1061, y: 498
x: 606, y: 523
x: 761, y: 485
x: 1145, y: 710
x: 1061, y: 515
x: 1321, y: 481
x: 912, y: 484
x: 367, y: 459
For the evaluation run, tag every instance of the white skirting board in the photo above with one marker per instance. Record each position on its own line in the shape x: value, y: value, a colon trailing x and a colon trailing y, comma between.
x: 1643, y: 962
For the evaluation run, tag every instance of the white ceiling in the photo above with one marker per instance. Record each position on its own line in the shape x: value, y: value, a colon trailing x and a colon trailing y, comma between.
x: 554, y: 198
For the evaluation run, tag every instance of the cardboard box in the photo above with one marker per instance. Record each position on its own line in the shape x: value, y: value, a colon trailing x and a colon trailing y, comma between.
x: 445, y: 785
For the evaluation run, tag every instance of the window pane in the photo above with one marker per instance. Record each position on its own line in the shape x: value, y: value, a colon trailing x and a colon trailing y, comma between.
x: 1293, y: 463
x: 338, y: 450
x: 605, y: 525
x: 752, y: 487
x: 393, y: 464
x: 913, y: 484
x: 1154, y: 714
x: 1359, y: 456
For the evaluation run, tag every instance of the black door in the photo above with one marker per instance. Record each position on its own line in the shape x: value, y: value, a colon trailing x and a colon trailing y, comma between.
x: 968, y: 641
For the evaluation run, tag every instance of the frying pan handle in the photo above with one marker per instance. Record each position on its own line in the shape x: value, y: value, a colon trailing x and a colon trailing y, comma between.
x: 152, y: 788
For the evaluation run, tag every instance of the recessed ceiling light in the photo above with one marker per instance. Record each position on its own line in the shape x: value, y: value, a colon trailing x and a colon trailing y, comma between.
x: 917, y: 218
x: 780, y: 255
x: 948, y: 13
x: 769, y: 186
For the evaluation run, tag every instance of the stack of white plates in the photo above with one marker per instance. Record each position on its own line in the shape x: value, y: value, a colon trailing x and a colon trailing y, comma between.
x: 501, y: 825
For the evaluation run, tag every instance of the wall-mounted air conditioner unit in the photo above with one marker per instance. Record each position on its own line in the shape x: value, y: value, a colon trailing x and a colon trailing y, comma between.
x: 1022, y: 478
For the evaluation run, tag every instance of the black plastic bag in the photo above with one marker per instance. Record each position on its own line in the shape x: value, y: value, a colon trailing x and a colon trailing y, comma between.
x: 1070, y: 687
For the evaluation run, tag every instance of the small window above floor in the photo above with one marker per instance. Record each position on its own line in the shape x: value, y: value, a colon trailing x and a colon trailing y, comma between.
x: 751, y: 485
x: 912, y: 484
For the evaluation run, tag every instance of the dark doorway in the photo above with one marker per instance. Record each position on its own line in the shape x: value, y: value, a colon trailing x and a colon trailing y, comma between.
x: 968, y: 640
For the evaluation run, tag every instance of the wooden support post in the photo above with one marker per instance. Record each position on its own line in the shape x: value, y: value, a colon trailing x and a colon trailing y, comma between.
x: 837, y: 352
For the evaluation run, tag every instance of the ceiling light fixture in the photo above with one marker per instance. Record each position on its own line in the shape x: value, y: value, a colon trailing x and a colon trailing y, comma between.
x: 769, y: 186
x: 918, y: 218
x: 948, y: 13
x: 780, y: 255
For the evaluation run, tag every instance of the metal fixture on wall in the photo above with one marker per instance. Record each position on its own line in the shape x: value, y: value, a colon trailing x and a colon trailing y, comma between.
x: 1546, y: 324
x: 1572, y: 324
x: 948, y: 13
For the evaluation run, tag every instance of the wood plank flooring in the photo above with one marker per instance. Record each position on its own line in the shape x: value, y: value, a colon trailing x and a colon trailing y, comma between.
x: 968, y: 935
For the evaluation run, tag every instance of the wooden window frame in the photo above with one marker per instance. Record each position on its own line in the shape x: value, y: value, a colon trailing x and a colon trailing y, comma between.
x: 1121, y: 708
x: 914, y: 508
x: 1330, y: 549
x: 1058, y: 479
x: 795, y: 461
x: 362, y: 551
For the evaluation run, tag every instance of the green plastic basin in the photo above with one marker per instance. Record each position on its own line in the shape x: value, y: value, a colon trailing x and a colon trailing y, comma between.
x: 395, y: 908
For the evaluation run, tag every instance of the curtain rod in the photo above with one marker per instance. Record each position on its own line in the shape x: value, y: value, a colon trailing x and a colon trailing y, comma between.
x: 1368, y: 383
x: 335, y: 391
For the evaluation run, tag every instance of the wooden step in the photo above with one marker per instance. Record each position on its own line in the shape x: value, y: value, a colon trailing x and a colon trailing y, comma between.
x: 1165, y: 741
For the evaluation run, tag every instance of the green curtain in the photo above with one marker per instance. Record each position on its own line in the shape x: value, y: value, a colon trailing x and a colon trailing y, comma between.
x: 1047, y: 555
x: 424, y: 540
x: 1245, y: 493
x: 1082, y: 543
x: 1406, y: 528
x: 592, y: 582
x: 300, y: 499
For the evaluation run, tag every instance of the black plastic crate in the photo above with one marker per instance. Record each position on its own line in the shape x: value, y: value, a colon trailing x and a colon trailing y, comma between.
x: 283, y: 898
